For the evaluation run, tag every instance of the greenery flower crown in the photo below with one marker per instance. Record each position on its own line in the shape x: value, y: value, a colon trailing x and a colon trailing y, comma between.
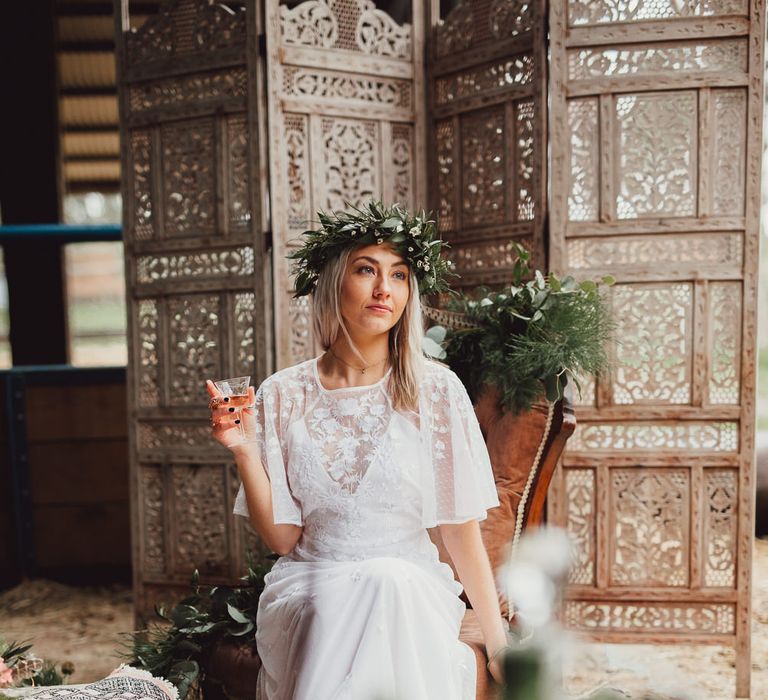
x: 413, y: 237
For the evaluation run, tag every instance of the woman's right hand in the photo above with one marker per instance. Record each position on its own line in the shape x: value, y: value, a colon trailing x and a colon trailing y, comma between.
x: 227, y: 419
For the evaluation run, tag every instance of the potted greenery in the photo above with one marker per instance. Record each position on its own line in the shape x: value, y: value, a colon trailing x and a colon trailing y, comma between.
x: 518, y: 350
x: 205, y: 641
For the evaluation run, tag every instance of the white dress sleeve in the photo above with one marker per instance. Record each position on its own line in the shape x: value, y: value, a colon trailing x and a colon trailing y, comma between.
x: 271, y: 416
x: 457, y: 478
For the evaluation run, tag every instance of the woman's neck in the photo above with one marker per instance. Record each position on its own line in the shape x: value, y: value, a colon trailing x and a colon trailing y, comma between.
x: 342, y: 367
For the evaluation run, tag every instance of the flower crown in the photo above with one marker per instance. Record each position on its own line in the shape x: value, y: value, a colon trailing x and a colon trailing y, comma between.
x: 413, y: 237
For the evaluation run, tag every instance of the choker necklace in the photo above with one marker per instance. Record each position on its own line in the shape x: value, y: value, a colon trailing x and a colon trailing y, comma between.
x: 362, y: 369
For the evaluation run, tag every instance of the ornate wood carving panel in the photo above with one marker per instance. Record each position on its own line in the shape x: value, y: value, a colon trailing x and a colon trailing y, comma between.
x: 346, y: 123
x: 487, y: 82
x: 198, y: 295
x: 656, y: 126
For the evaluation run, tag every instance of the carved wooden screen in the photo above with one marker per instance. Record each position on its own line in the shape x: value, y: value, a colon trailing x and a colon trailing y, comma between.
x: 487, y: 156
x: 656, y: 146
x: 196, y: 290
x: 345, y: 124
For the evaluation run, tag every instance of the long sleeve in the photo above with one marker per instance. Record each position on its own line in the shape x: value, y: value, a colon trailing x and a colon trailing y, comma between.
x: 270, y: 422
x: 457, y: 476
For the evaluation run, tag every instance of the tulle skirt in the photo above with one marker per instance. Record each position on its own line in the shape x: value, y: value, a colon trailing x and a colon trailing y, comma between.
x: 384, y: 628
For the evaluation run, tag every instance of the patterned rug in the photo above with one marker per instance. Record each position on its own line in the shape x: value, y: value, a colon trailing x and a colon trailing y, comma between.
x: 124, y: 683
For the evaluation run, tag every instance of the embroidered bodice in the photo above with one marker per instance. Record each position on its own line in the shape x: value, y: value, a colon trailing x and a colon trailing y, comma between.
x: 363, y: 478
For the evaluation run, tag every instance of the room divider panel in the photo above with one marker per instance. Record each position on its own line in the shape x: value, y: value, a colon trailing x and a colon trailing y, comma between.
x: 346, y: 123
x: 196, y: 278
x: 656, y: 149
x: 487, y: 79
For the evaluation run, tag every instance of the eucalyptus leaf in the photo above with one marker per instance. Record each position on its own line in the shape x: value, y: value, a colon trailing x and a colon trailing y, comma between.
x: 432, y: 348
x: 235, y: 614
x: 437, y: 333
x: 240, y: 630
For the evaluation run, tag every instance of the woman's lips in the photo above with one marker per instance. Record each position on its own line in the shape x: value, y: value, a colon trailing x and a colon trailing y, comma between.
x: 380, y: 309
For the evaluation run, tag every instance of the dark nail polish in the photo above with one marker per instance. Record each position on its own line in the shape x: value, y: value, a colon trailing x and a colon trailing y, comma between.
x: 231, y: 409
x: 226, y: 399
x: 237, y: 421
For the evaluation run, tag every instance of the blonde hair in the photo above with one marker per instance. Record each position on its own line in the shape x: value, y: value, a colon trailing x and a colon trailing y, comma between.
x: 405, y: 337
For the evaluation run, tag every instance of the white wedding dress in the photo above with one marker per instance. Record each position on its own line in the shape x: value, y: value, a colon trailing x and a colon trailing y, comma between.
x: 362, y: 608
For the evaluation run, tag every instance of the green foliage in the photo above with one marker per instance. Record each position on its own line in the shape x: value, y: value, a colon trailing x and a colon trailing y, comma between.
x: 414, y: 237
x: 176, y: 648
x: 28, y: 669
x: 530, y: 337
x: 47, y: 675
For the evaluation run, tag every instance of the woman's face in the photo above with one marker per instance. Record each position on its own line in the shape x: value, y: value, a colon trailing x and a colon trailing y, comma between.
x: 374, y: 289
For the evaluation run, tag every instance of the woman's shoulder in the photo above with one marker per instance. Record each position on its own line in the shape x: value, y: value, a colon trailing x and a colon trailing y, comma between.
x: 289, y: 380
x: 437, y: 374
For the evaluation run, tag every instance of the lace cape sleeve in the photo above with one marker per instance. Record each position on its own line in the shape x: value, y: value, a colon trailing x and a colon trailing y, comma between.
x: 273, y: 411
x: 457, y: 478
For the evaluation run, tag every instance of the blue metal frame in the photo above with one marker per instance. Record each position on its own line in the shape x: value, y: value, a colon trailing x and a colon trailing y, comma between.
x: 66, y: 233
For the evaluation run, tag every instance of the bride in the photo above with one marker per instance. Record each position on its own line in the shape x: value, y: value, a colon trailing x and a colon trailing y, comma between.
x: 347, y: 459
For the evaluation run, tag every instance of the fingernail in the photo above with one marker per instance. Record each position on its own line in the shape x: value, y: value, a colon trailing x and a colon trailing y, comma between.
x: 226, y: 399
x: 231, y: 409
x: 237, y: 421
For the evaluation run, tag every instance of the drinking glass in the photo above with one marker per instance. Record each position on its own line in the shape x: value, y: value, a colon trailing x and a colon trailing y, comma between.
x: 236, y: 389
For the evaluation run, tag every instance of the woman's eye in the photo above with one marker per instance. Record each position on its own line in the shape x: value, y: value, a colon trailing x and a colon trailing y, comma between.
x: 402, y: 274
x: 364, y: 268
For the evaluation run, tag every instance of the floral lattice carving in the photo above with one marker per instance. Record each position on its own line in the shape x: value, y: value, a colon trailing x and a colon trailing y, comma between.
x: 190, y: 89
x: 524, y: 127
x: 726, y: 55
x: 147, y: 323
x: 510, y: 17
x: 730, y: 152
x: 194, y: 345
x: 355, y: 25
x: 311, y: 23
x: 488, y: 79
x: 185, y: 27
x: 657, y: 158
x: 683, y: 436
x: 238, y: 173
x: 379, y: 35
x: 200, y: 518
x: 455, y: 32
x: 602, y: 11
x: 585, y: 154
x: 301, y: 321
x: 188, y: 178
x: 295, y: 130
x: 690, y: 249
x: 482, y: 169
x: 211, y: 264
x: 305, y: 82
x: 153, y: 519
x: 351, y: 159
x: 654, y: 356
x: 143, y: 206
x: 653, y: 618
x: 446, y: 184
x: 724, y: 342
x: 649, y: 545
x: 580, y: 524
x: 720, y: 527
x: 173, y: 435
x: 491, y: 255
x: 402, y: 163
x: 244, y: 315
